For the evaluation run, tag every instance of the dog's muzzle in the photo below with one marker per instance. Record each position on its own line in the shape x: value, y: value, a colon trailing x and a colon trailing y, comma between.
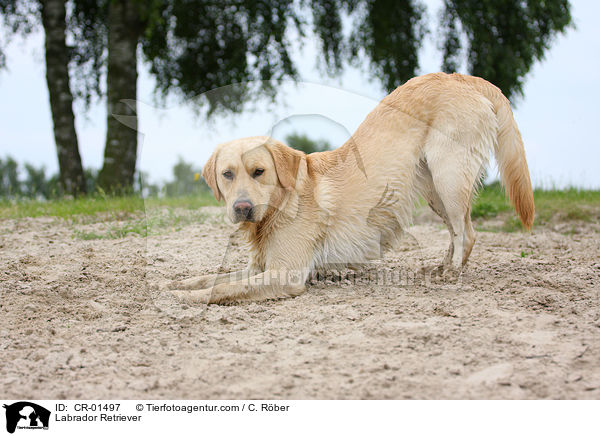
x: 243, y: 210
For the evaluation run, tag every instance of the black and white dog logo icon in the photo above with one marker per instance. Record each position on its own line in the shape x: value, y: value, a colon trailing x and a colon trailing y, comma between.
x: 26, y: 415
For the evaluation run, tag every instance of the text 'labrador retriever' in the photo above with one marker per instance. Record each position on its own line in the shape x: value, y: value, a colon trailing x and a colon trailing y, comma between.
x: 431, y: 137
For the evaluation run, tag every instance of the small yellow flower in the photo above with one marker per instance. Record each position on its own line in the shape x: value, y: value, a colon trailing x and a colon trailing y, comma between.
x: 196, y: 177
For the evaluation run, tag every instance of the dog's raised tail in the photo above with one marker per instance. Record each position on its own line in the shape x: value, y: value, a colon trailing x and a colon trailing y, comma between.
x: 510, y: 154
x: 512, y: 164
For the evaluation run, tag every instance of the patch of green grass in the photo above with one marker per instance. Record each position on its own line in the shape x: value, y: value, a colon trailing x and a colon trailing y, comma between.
x: 123, y: 216
x: 511, y: 224
x: 185, y: 202
x: 117, y: 231
x: 134, y: 215
x: 489, y: 202
x: 170, y: 220
x: 567, y: 205
x: 551, y: 205
x: 81, y: 209
x: 157, y: 222
x: 484, y: 209
x: 69, y: 207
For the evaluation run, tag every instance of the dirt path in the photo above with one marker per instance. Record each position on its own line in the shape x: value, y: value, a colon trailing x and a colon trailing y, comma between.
x: 77, y: 320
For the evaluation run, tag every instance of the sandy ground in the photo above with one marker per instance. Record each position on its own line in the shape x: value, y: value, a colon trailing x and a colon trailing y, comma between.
x: 78, y: 319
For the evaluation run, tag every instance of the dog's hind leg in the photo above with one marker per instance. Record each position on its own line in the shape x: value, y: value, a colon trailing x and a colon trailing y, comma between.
x: 454, y: 175
x: 454, y: 204
x: 428, y: 191
x: 470, y: 236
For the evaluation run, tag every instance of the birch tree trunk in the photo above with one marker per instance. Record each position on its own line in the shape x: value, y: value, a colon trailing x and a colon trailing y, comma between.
x: 120, y: 153
x: 71, y: 177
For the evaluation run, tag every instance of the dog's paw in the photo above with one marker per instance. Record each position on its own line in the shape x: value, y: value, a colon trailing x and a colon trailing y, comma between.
x: 202, y: 282
x: 166, y: 285
x: 169, y: 285
x: 159, y: 285
x: 196, y: 296
x: 441, y: 273
x: 451, y: 274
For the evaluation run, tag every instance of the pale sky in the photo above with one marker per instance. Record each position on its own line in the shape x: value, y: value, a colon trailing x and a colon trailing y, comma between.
x: 557, y: 116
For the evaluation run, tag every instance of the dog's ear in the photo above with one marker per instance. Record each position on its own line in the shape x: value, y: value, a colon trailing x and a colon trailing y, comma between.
x: 209, y: 172
x: 287, y: 160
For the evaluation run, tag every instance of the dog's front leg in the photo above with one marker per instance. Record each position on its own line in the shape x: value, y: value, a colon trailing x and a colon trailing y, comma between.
x: 267, y: 285
x: 209, y: 280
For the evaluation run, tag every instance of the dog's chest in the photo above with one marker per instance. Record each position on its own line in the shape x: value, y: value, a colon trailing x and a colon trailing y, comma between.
x: 351, y: 241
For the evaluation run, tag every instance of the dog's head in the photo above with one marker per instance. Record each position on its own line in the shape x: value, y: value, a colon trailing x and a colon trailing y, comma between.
x: 252, y: 175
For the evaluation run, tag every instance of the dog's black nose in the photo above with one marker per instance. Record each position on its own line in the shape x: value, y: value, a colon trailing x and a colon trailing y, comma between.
x: 243, y: 208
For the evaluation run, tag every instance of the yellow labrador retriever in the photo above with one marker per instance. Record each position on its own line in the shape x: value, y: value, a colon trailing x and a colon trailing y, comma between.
x: 430, y: 137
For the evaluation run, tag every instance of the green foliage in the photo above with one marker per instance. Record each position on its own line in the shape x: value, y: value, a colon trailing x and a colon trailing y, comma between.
x: 10, y: 186
x: 328, y: 27
x: 303, y: 143
x: 388, y: 33
x: 87, y: 25
x: 482, y: 209
x: 35, y: 183
x: 504, y: 38
x: 196, y: 46
x: 19, y: 16
x: 186, y: 180
x: 491, y: 200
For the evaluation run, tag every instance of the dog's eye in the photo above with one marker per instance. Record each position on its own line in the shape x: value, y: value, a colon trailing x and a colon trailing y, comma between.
x: 258, y: 172
x: 228, y: 175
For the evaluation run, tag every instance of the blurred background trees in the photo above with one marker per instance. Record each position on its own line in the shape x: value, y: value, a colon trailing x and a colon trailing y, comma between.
x: 9, y: 178
x: 18, y: 182
x: 186, y: 180
x: 193, y: 47
x: 302, y: 142
x: 503, y: 39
